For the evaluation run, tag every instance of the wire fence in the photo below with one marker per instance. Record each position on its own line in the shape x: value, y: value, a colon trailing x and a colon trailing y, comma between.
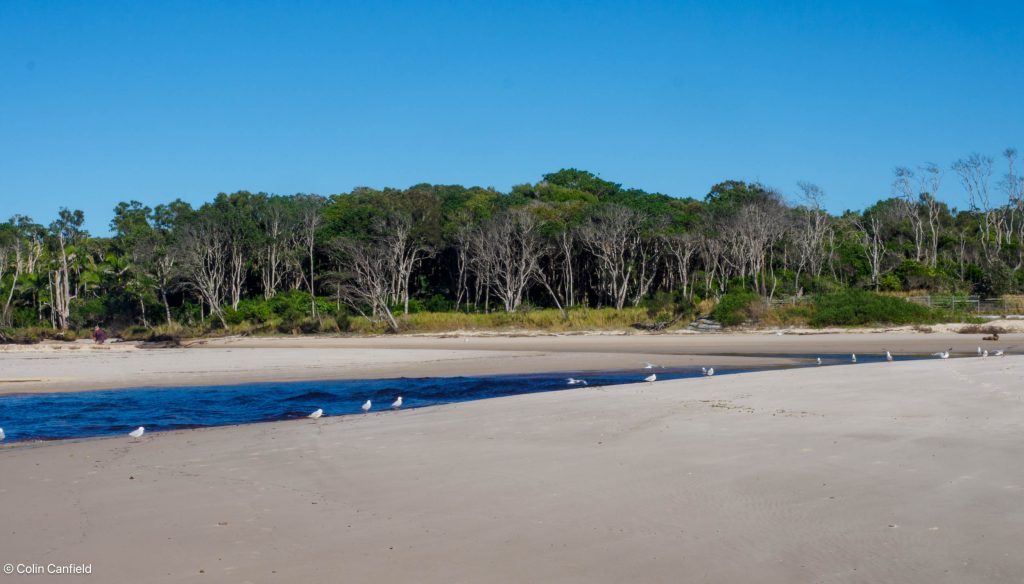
x: 1003, y: 305
x: 975, y: 304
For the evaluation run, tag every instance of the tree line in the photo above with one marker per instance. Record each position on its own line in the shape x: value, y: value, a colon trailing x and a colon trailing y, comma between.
x: 572, y: 239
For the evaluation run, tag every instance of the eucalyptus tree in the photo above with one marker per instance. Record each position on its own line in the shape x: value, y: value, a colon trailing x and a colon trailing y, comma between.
x: 364, y: 277
x: 203, y: 244
x: 309, y: 218
x: 1013, y: 187
x: 407, y: 249
x: 614, y: 238
x: 277, y: 228
x: 975, y: 174
x: 904, y: 186
x: 65, y: 234
x: 810, y: 231
x: 681, y: 252
x: 507, y: 250
x: 871, y: 227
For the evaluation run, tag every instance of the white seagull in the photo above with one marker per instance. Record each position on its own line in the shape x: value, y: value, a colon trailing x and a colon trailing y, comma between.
x: 979, y: 351
x: 888, y: 355
x: 819, y: 360
x: 853, y: 357
x: 651, y: 377
x: 943, y: 354
x: 996, y: 353
x: 703, y: 370
x: 2, y: 435
x: 574, y: 381
x: 316, y: 415
x: 649, y: 365
x: 711, y: 372
x: 397, y: 403
x: 138, y: 432
x: 367, y: 406
x: 984, y: 353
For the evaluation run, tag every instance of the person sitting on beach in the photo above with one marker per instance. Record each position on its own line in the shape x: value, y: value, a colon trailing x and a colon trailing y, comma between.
x: 99, y: 335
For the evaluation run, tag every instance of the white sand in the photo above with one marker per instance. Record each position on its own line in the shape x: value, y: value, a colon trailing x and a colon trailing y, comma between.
x: 901, y: 472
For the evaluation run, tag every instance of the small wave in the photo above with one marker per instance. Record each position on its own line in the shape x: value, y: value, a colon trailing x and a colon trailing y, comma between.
x: 311, y: 395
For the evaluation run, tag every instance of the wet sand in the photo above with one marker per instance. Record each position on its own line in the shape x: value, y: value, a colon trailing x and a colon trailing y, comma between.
x: 890, y: 472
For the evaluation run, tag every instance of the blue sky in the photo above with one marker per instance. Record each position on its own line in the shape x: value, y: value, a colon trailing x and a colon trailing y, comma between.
x: 108, y: 101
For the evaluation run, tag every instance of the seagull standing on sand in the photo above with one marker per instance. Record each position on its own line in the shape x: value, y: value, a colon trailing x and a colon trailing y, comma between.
x: 651, y: 377
x: 367, y: 406
x: 984, y: 353
x: 996, y: 353
x: 316, y: 415
x: 649, y: 365
x: 2, y: 435
x: 397, y: 403
x: 853, y: 357
x: 979, y: 351
x: 888, y: 355
x: 574, y: 381
x: 703, y: 370
x: 711, y: 372
x: 819, y: 360
x: 138, y: 432
x: 943, y: 354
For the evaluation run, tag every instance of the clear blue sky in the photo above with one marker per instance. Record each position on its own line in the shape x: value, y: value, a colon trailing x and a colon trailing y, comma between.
x: 108, y: 101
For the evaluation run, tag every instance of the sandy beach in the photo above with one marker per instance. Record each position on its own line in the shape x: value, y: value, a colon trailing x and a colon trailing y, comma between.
x: 887, y: 472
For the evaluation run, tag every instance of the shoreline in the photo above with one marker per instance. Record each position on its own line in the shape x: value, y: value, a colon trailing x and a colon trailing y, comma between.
x: 223, y: 361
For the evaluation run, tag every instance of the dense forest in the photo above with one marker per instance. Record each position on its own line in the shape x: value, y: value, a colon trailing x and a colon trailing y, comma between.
x: 571, y: 241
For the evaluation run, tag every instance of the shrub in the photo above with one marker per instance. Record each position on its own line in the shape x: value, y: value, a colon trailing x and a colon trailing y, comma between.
x: 734, y: 308
x: 859, y: 307
x: 792, y: 315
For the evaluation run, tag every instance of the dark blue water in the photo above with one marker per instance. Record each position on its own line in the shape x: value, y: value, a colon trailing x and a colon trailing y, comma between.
x: 55, y: 416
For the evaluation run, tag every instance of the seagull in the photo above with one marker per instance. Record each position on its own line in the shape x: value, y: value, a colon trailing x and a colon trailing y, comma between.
x: 316, y: 415
x: 853, y: 357
x: 943, y: 354
x: 138, y: 432
x: 397, y: 403
x: 996, y: 353
x: 711, y: 371
x: 703, y: 370
x: 2, y: 435
x: 649, y: 365
x: 367, y: 406
x: 979, y: 351
x: 778, y: 333
x: 984, y: 353
x: 574, y: 381
x: 819, y: 360
x: 651, y: 377
x: 888, y: 355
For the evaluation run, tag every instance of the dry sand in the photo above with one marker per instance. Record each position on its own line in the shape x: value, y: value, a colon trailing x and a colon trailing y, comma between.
x: 81, y: 366
x: 890, y: 472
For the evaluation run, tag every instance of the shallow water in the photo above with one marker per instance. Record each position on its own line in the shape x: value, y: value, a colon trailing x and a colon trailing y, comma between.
x: 55, y: 416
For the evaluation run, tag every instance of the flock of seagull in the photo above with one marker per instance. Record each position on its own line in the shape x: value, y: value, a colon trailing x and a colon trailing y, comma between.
x: 710, y: 371
x: 705, y: 372
x: 316, y: 415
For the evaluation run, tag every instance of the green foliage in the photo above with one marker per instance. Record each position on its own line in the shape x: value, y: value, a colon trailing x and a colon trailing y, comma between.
x: 735, y: 307
x: 147, y: 275
x: 666, y: 304
x: 289, y: 311
x: 859, y: 307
